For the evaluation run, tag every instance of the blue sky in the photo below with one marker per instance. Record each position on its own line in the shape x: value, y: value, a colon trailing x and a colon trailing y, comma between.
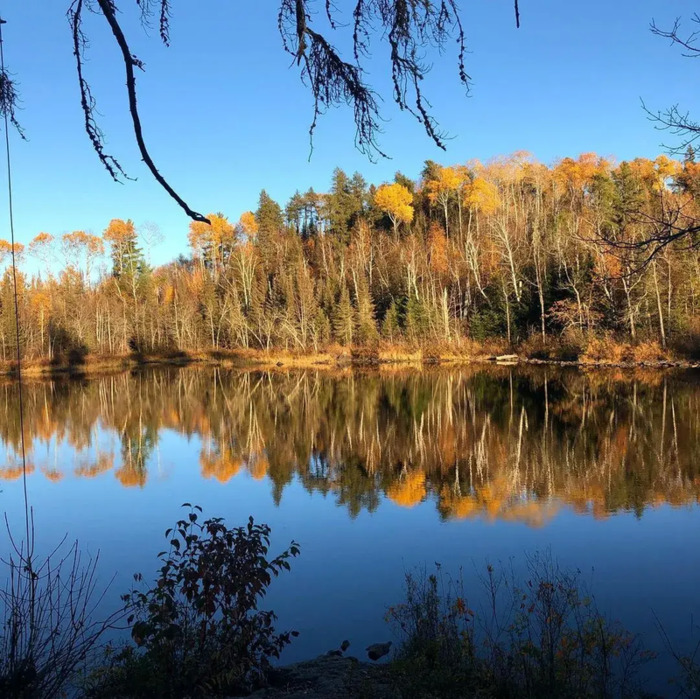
x: 225, y: 115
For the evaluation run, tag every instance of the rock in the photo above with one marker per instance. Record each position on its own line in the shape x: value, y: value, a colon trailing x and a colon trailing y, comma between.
x: 344, y: 646
x: 507, y: 358
x: 378, y: 650
x: 330, y: 677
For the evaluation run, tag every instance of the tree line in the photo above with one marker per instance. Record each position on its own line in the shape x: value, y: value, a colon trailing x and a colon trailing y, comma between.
x: 553, y: 255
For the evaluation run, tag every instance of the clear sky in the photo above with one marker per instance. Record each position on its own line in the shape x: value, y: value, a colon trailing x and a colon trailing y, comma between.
x: 225, y: 115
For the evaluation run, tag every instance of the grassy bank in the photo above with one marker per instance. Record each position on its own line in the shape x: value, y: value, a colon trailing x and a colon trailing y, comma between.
x: 597, y: 352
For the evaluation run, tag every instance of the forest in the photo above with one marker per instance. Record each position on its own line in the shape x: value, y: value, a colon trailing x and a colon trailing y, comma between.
x: 560, y: 261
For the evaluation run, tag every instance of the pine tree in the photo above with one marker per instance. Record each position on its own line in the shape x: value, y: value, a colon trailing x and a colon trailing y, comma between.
x: 628, y: 196
x: 358, y: 193
x: 344, y: 318
x: 268, y: 216
x: 294, y: 212
x: 339, y: 203
x: 321, y: 328
x: 416, y: 318
x: 366, y: 324
x: 270, y: 222
x: 390, y: 325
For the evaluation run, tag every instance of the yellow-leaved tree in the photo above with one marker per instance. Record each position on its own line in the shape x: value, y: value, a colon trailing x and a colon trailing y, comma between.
x: 212, y: 242
x: 395, y: 201
x: 446, y: 183
x: 247, y: 225
x: 481, y: 196
x: 41, y: 247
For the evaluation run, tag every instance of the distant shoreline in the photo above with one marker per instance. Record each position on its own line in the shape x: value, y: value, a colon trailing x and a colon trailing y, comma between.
x: 336, y: 358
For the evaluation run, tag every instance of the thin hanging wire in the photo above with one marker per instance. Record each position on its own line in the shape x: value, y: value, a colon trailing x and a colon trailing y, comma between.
x: 27, y: 516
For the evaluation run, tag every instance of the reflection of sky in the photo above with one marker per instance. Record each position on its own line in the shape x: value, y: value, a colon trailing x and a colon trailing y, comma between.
x: 351, y: 569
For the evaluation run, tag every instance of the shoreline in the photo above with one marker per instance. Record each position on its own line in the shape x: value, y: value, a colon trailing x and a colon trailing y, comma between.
x: 332, y: 359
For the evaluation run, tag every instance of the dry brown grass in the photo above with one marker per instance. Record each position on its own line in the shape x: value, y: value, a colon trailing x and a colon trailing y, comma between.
x: 598, y: 351
x: 606, y: 350
x: 650, y: 352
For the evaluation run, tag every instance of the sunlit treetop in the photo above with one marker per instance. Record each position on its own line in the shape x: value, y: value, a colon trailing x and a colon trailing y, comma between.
x: 6, y: 250
x: 446, y: 181
x: 396, y: 201
x: 118, y: 231
x: 575, y: 174
x: 247, y: 225
x: 482, y: 196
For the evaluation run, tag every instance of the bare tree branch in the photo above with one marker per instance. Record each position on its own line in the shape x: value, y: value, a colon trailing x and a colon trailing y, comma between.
x: 130, y: 61
x: 87, y: 101
x: 409, y: 26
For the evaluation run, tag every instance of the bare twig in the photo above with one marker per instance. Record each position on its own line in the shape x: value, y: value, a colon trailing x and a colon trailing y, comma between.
x: 49, y: 623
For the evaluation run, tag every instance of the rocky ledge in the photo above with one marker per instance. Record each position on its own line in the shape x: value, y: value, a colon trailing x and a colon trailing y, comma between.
x: 330, y: 676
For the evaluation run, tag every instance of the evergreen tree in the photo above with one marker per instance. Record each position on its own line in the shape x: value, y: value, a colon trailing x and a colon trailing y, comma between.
x: 344, y: 318
x: 312, y: 203
x: 416, y: 318
x: 128, y: 261
x: 270, y: 222
x: 628, y: 196
x: 358, y: 193
x: 340, y: 205
x: 294, y: 212
x: 268, y: 215
x: 366, y: 323
x: 406, y: 181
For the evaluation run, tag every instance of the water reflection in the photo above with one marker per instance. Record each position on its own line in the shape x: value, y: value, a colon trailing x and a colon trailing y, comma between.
x: 496, y: 443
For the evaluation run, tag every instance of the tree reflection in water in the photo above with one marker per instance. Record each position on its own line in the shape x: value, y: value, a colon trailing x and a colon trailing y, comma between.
x: 492, y: 442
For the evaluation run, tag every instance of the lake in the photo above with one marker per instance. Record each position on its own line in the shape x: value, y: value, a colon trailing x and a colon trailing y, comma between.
x: 375, y: 473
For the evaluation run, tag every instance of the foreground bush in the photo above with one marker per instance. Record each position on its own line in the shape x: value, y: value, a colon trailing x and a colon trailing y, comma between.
x: 543, y: 638
x: 198, y: 631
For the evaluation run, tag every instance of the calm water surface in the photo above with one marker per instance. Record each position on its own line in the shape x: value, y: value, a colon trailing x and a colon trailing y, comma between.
x: 375, y: 473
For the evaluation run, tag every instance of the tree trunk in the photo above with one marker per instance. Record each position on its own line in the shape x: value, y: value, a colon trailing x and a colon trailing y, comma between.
x: 659, y: 306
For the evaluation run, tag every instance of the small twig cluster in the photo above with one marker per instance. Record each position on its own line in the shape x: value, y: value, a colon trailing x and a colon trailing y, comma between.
x: 49, y: 621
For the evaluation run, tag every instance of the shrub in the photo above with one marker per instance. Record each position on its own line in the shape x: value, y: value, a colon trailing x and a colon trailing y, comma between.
x: 536, y: 348
x: 541, y: 639
x: 688, y: 681
x: 568, y: 346
x: 606, y: 350
x: 487, y: 323
x: 198, y: 630
x: 650, y: 351
x: 571, y: 345
x: 437, y: 655
x: 685, y: 339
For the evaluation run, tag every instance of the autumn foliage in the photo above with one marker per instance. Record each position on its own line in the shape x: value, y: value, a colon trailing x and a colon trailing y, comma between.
x: 512, y: 249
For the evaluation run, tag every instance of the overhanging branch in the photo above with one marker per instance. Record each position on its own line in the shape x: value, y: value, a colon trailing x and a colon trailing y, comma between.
x: 130, y: 61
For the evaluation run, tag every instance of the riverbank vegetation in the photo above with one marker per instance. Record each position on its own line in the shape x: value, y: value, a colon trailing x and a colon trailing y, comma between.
x: 567, y: 261
x: 538, y: 636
